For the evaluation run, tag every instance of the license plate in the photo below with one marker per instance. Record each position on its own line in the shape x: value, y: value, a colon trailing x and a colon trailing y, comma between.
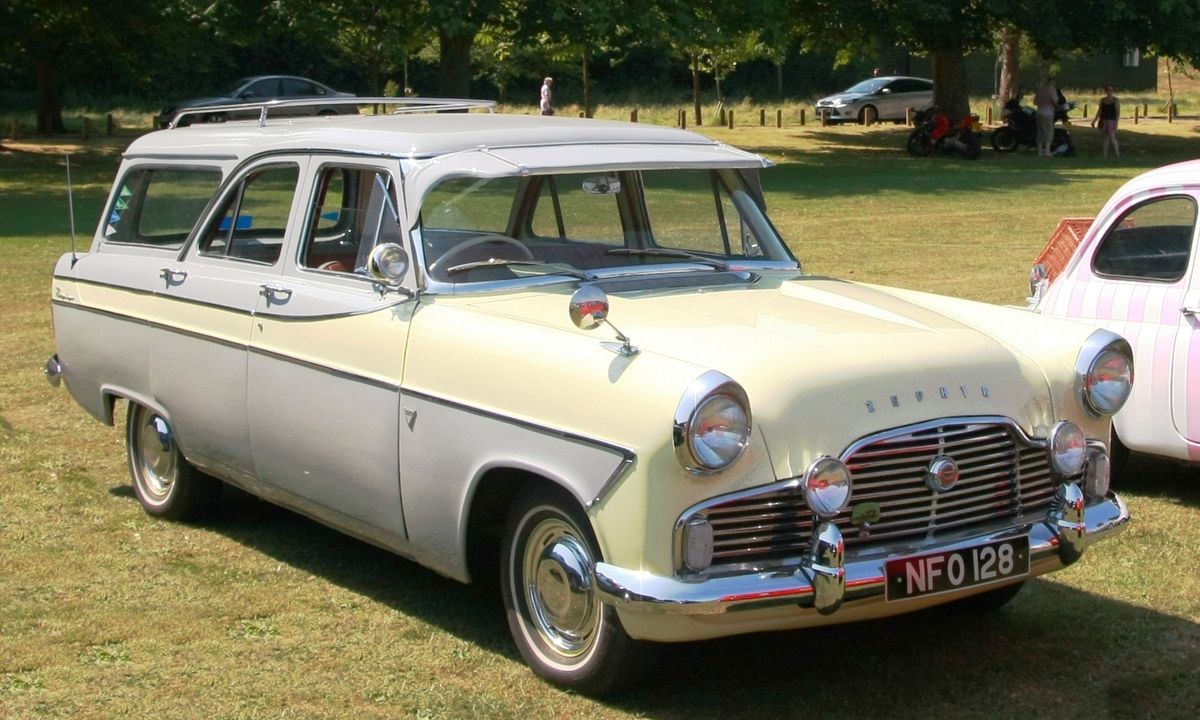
x: 924, y: 575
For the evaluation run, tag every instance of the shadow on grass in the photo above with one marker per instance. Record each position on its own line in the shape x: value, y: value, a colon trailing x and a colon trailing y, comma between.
x: 1054, y: 651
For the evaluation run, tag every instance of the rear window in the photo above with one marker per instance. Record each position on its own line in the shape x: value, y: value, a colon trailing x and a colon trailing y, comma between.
x: 159, y: 206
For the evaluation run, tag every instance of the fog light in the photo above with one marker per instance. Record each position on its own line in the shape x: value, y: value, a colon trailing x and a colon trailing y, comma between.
x: 1096, y: 473
x: 827, y: 486
x: 697, y: 545
x: 1068, y: 448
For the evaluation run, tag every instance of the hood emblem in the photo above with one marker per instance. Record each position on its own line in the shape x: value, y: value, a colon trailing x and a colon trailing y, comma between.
x: 942, y: 474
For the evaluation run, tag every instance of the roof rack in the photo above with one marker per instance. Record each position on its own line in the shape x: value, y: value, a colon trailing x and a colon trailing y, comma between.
x: 400, y: 106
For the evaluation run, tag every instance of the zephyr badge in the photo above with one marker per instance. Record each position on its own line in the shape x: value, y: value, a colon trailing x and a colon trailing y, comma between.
x: 942, y: 474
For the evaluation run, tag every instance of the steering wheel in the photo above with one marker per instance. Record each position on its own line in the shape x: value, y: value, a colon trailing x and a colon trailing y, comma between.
x: 445, y: 260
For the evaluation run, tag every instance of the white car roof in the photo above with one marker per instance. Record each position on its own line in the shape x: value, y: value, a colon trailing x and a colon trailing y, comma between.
x: 420, y: 136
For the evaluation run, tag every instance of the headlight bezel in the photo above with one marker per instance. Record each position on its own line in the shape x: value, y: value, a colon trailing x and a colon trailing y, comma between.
x: 709, y: 387
x: 1099, y: 345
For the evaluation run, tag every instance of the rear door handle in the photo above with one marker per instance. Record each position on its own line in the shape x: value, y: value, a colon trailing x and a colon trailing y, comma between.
x: 1190, y: 311
x: 274, y: 293
x: 173, y: 276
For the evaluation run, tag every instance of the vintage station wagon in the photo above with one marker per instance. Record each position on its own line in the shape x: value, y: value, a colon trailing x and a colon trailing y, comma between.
x: 1134, y: 272
x: 578, y: 352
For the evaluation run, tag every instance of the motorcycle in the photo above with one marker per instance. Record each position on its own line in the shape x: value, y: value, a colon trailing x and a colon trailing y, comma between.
x: 935, y: 131
x: 1020, y: 128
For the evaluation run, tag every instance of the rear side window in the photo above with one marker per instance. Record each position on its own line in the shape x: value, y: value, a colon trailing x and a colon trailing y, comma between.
x: 1153, y: 241
x: 159, y: 206
x: 253, y: 218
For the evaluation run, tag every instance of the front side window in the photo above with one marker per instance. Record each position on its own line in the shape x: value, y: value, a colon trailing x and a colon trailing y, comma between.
x: 159, y: 206
x: 354, y: 209
x: 253, y: 218
x: 1153, y: 241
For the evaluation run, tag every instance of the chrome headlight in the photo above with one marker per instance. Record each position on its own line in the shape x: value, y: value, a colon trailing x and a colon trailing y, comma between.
x: 827, y: 486
x: 1068, y: 448
x: 712, y: 424
x: 1104, y: 372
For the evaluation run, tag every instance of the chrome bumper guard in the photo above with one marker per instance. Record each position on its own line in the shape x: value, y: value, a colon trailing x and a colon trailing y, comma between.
x: 54, y: 371
x: 825, y: 580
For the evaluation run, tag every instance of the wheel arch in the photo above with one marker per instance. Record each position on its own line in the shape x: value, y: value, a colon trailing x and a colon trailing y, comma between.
x: 110, y: 394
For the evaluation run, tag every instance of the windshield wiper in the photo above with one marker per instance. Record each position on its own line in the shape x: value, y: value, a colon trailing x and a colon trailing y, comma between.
x: 679, y: 254
x: 550, y: 268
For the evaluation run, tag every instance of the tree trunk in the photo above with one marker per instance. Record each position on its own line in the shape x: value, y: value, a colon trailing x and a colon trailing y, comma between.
x: 49, y: 114
x: 587, y: 86
x: 1010, y: 64
x: 950, y: 83
x: 455, y: 64
x: 696, y: 89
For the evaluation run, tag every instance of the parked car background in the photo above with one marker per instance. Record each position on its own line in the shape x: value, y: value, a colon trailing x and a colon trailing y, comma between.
x: 259, y: 88
x: 1135, y: 272
x: 890, y: 96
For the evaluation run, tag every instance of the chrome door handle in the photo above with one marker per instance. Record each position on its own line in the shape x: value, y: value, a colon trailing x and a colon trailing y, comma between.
x: 173, y: 275
x: 1190, y: 311
x: 274, y: 293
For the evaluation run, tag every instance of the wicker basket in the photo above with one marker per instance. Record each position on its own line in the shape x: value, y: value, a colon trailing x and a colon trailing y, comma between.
x: 1063, y: 242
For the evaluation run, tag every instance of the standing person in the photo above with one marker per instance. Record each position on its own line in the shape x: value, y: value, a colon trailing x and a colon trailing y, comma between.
x: 1107, y: 117
x: 547, y: 103
x: 1046, y: 99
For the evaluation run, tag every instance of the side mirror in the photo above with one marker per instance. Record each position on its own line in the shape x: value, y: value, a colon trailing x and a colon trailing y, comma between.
x: 589, y: 307
x: 388, y: 263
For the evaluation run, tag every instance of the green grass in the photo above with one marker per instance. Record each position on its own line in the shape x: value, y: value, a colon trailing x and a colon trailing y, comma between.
x: 105, y: 612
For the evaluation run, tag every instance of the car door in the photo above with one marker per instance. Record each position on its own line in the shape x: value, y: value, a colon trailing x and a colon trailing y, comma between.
x: 327, y: 355
x: 1134, y: 281
x: 1185, y: 375
x: 207, y: 299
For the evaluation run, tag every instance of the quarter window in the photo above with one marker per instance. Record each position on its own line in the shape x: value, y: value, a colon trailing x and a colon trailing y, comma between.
x: 1153, y: 241
x: 159, y: 206
x: 252, y: 221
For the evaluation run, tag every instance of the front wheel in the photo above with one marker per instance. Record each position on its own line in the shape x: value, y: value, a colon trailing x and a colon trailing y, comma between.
x: 165, y: 483
x: 919, y: 144
x: 1004, y: 139
x: 563, y: 630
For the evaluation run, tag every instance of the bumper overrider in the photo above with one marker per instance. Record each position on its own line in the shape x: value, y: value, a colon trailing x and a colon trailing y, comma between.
x: 825, y: 580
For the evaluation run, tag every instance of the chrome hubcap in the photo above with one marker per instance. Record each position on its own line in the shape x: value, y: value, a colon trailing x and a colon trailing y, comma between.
x: 157, y: 455
x: 560, y: 590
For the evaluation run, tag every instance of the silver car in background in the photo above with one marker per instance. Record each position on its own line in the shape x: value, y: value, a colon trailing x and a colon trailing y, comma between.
x: 890, y: 96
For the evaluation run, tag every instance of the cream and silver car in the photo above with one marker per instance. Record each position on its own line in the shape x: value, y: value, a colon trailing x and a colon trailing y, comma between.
x: 578, y: 352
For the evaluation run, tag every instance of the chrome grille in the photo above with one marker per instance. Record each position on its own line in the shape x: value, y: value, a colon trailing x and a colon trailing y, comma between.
x: 1002, y: 476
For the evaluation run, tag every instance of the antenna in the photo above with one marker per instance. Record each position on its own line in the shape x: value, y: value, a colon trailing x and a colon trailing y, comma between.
x: 71, y: 209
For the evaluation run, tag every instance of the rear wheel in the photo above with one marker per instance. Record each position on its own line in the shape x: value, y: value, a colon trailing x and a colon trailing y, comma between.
x: 166, y: 485
x: 1004, y: 139
x: 919, y: 143
x: 563, y: 630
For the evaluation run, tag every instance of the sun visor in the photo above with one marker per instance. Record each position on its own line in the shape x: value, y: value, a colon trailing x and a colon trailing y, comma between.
x: 485, y: 162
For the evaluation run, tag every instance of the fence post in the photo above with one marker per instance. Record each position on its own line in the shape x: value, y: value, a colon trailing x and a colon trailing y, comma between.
x: 683, y: 119
x: 1135, y: 114
x: 988, y: 113
x: 778, y: 118
x: 908, y: 117
x: 1145, y: 110
x: 1085, y: 109
x: 824, y: 117
x: 869, y: 116
x: 730, y: 119
x: 803, y: 117
x: 762, y: 117
x: 633, y: 115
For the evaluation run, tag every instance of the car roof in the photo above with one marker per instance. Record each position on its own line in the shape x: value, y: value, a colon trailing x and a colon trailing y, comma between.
x: 1182, y: 173
x: 413, y: 136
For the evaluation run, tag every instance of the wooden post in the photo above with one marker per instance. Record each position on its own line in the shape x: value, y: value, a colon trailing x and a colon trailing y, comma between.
x: 824, y: 117
x: 633, y: 115
x: 730, y: 119
x: 87, y: 127
x: 1085, y: 109
x: 1171, y: 112
x: 762, y: 117
x: 803, y: 117
x: 869, y: 116
x: 988, y: 113
x: 1135, y: 114
x: 721, y: 118
x: 779, y: 118
x: 908, y: 117
x: 683, y: 119
x: 1145, y: 110
x: 108, y: 125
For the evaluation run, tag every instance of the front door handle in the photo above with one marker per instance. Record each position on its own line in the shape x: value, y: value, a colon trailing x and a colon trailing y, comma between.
x: 275, y: 293
x: 173, y: 276
x: 1190, y: 311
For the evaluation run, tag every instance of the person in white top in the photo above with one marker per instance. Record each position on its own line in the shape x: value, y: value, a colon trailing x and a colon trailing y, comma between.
x: 547, y: 105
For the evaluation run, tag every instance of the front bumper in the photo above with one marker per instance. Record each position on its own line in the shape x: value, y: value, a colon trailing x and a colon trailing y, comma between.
x: 826, y: 582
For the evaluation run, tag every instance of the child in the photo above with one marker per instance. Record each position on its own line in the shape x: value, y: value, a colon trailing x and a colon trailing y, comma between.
x: 1107, y: 116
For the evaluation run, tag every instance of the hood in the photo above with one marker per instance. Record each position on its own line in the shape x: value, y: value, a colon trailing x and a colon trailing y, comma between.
x: 824, y: 362
x: 844, y: 97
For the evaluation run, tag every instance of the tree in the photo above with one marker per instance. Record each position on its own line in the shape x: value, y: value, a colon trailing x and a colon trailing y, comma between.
x: 565, y: 29
x: 457, y: 22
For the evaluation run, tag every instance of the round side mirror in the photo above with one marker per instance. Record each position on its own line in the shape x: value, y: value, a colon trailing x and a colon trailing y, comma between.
x: 589, y: 307
x: 388, y: 263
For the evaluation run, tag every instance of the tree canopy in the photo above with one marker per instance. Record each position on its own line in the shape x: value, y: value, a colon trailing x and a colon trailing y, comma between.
x: 158, y: 48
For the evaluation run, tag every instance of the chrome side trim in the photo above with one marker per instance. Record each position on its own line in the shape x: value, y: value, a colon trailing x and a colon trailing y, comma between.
x: 641, y: 591
x: 627, y: 456
x: 325, y: 369
x: 149, y: 323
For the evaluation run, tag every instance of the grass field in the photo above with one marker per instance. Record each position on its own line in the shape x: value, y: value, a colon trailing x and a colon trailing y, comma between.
x: 260, y: 613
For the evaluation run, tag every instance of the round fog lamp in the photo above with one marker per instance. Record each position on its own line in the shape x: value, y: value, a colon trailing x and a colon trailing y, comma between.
x: 1068, y: 448
x: 1097, y: 474
x: 827, y: 486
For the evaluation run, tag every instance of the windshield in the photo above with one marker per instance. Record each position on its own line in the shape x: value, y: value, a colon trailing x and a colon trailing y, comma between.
x: 866, y: 87
x: 476, y: 230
